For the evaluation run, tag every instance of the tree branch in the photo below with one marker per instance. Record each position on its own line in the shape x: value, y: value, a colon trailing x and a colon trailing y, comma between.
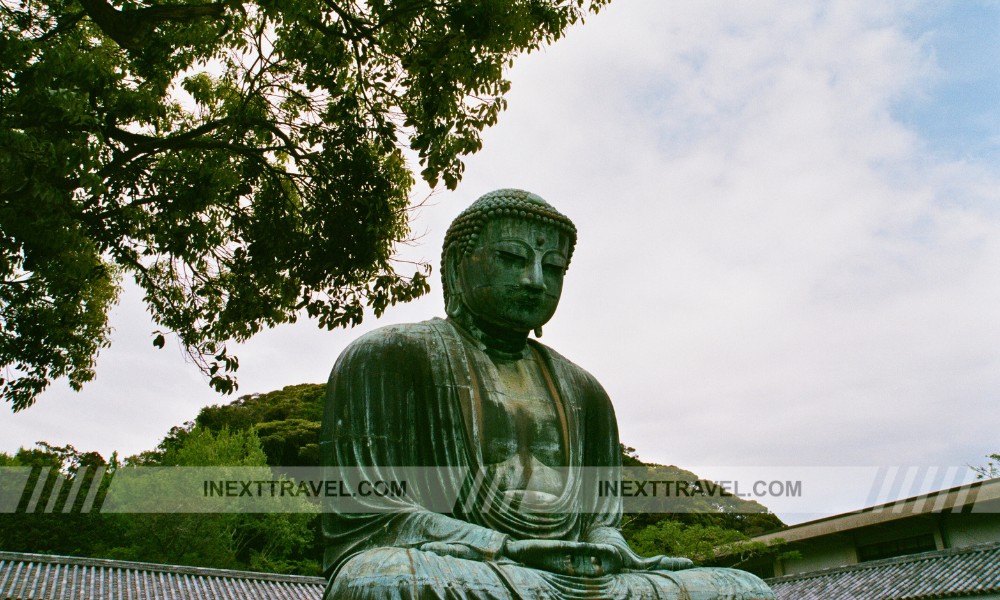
x: 180, y: 13
x: 149, y: 142
x: 61, y: 26
x: 129, y: 29
x: 361, y: 26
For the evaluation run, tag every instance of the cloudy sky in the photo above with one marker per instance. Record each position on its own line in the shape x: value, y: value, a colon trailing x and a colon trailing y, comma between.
x: 789, y: 247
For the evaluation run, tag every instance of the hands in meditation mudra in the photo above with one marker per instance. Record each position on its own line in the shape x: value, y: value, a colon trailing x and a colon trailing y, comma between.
x: 516, y: 429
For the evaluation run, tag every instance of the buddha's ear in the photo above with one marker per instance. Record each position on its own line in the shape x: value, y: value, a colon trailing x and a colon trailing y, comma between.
x: 454, y: 304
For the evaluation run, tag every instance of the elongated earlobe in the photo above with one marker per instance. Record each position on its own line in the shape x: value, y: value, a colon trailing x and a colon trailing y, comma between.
x: 538, y: 331
x: 454, y: 306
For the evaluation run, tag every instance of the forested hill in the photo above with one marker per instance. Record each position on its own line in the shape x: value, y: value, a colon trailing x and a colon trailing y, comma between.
x: 287, y: 421
x: 282, y: 428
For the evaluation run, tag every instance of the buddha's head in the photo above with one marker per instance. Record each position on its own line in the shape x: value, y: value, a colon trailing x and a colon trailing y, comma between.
x: 504, y: 259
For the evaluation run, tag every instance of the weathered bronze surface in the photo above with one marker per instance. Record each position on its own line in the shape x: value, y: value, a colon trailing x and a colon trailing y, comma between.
x: 473, y: 392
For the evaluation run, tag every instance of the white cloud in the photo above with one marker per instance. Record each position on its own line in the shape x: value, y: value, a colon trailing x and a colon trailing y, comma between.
x: 783, y: 262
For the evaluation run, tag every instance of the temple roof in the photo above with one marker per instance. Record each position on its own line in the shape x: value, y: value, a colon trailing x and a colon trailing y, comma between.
x: 40, y: 576
x: 956, y: 572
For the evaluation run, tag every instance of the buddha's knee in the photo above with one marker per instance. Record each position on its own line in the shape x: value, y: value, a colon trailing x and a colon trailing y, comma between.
x: 379, y: 573
x: 715, y: 583
x: 408, y: 574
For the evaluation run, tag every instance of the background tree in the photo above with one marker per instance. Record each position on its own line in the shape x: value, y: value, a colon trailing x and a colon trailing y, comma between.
x: 48, y: 529
x: 264, y: 541
x: 224, y: 436
x: 242, y: 161
x: 712, y: 529
x: 288, y: 422
x: 274, y: 541
x: 990, y: 470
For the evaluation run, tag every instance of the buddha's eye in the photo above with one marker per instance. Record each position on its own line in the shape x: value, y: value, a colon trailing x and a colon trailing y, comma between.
x: 551, y: 269
x: 554, y: 265
x: 511, y: 259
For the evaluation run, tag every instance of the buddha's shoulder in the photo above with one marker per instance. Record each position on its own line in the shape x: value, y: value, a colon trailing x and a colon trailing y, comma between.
x: 400, y: 333
x: 569, y: 371
x: 410, y: 339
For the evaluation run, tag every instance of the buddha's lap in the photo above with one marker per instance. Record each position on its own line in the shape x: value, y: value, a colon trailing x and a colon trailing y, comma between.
x: 409, y: 574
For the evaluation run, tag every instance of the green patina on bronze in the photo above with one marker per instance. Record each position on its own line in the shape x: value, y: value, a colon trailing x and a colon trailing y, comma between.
x: 462, y: 236
x: 473, y: 394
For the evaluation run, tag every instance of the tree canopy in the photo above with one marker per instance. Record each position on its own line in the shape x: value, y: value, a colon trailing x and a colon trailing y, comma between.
x: 244, y: 162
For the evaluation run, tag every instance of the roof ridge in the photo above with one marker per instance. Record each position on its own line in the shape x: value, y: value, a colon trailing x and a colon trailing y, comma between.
x: 893, y: 504
x: 158, y: 567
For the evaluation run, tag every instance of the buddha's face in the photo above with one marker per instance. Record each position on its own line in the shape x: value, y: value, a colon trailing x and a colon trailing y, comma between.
x: 514, y: 278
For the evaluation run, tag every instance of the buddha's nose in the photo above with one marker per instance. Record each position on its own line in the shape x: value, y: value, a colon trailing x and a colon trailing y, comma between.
x: 532, y: 277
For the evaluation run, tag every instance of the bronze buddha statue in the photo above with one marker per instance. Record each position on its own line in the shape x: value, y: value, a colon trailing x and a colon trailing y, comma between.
x: 473, y: 398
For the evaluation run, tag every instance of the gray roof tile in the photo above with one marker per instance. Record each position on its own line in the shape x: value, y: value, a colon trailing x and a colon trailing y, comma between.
x: 45, y: 577
x: 940, y: 574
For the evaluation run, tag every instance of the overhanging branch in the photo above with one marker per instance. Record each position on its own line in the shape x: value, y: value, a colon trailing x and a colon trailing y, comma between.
x: 130, y: 29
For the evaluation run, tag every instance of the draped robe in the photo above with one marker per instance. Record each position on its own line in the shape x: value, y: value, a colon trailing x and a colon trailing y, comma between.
x: 412, y: 396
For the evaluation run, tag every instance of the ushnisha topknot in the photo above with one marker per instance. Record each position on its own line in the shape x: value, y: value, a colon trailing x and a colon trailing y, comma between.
x: 510, y: 203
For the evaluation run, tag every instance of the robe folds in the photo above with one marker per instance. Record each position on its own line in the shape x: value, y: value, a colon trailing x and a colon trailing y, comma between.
x: 412, y: 395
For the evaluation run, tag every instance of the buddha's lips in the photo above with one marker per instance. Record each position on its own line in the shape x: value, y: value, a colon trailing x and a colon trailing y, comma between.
x: 515, y: 293
x: 526, y: 301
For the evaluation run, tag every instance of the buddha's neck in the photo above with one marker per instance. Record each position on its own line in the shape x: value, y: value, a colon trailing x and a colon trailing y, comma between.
x: 496, y: 341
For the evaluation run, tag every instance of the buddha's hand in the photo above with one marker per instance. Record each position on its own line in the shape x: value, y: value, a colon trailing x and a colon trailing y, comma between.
x: 453, y: 550
x: 633, y: 561
x: 566, y: 558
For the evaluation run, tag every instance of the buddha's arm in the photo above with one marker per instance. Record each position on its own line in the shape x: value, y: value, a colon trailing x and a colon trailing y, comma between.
x: 447, y: 535
x: 557, y: 556
x: 385, y: 415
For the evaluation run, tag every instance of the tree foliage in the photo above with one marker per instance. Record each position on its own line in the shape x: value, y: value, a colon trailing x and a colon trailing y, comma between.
x: 242, y: 161
x: 57, y: 470
x: 713, y: 529
x: 702, y: 507
x: 266, y: 541
x: 269, y: 541
x: 990, y: 470
x: 288, y: 422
